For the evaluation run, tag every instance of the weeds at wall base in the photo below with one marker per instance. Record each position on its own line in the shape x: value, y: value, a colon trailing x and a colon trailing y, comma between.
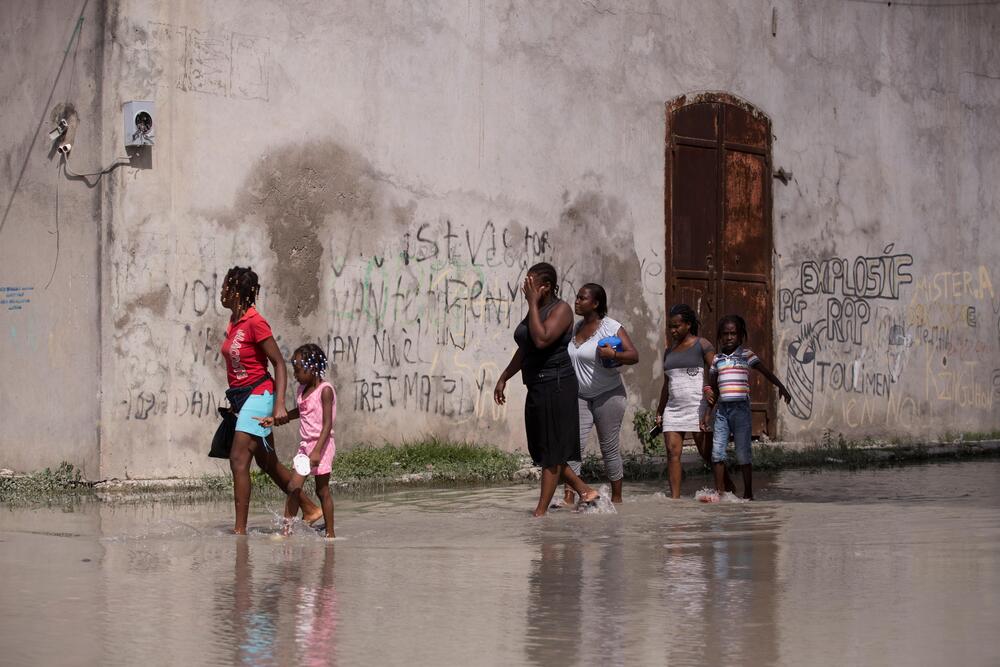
x: 364, y: 470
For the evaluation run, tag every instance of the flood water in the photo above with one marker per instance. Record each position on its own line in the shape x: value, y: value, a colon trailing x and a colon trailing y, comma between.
x: 890, y: 566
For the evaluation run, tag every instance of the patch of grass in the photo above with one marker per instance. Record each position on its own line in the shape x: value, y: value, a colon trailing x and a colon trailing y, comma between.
x: 44, y: 485
x: 642, y: 422
x: 445, y: 460
x: 370, y: 465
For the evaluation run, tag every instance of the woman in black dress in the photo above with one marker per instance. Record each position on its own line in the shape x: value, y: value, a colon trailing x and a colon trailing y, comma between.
x: 551, y: 412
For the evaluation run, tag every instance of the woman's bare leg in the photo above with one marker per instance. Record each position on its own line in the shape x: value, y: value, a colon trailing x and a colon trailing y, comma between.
x: 572, y: 480
x: 616, y: 491
x: 550, y: 480
x: 240, y: 455
x: 675, y: 443
x: 267, y: 460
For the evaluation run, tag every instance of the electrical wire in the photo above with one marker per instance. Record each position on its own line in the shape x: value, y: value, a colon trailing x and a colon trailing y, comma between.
x: 120, y: 162
x: 55, y: 263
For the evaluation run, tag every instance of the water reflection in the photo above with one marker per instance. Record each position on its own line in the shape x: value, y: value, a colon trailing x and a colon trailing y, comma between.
x: 284, y: 612
x: 317, y: 627
x: 876, y: 567
x: 555, y: 589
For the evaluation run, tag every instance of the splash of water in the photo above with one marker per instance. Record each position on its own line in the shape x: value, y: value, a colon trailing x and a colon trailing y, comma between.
x: 710, y: 495
x: 602, y: 505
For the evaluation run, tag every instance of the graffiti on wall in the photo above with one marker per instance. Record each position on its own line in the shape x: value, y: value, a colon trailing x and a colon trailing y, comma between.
x: 859, y: 322
x: 15, y: 297
x: 215, y: 62
x: 840, y: 294
x: 403, y: 329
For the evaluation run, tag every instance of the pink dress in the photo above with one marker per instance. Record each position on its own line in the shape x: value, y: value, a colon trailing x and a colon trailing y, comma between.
x: 311, y: 424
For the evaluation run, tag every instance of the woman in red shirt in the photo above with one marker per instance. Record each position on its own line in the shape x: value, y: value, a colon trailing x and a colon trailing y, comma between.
x: 248, y: 346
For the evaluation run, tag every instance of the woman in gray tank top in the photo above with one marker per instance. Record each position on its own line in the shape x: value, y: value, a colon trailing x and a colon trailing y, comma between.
x: 683, y: 399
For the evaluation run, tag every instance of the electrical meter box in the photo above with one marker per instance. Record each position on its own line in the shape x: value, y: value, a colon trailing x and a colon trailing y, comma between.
x: 140, y: 123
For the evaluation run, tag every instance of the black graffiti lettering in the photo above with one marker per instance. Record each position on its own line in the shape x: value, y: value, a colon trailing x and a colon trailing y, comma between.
x: 430, y: 246
x: 878, y: 277
x: 388, y: 381
x: 343, y: 349
x: 791, y: 304
x: 201, y: 297
x: 385, y: 350
x: 491, y: 249
x: 361, y: 402
x: 846, y: 319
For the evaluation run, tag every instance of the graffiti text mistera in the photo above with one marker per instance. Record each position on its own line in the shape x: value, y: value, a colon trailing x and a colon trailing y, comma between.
x: 954, y: 285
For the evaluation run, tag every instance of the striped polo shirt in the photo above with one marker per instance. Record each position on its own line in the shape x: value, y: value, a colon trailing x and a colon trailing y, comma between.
x: 734, y: 373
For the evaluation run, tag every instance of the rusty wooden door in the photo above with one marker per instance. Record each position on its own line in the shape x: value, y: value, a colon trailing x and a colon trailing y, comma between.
x: 718, y: 223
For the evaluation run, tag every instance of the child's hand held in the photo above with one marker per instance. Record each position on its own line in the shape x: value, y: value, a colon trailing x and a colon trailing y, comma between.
x: 280, y: 415
x: 709, y: 395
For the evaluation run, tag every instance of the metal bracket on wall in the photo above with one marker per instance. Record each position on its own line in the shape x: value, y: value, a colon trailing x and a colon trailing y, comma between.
x: 783, y: 176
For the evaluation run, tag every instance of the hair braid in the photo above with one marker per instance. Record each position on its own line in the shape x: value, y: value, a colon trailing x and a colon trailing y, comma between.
x: 244, y: 283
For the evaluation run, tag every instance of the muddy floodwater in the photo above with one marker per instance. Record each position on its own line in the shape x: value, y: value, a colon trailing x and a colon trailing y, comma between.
x: 889, y: 566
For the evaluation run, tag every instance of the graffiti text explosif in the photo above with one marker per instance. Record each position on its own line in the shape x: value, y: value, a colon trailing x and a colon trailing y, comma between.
x: 878, y: 277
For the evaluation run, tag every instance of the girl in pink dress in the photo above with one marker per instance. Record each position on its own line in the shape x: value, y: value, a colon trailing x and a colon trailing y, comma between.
x: 315, y: 408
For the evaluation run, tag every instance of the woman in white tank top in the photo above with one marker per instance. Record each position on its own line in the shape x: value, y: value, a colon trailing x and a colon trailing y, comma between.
x: 602, y: 396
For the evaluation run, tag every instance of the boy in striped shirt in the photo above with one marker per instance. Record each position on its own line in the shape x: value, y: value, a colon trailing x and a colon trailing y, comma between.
x: 730, y: 378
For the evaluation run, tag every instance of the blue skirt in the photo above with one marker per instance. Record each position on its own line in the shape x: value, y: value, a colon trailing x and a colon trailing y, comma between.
x: 256, y: 405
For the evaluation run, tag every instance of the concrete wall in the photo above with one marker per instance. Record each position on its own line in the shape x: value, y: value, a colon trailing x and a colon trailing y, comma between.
x: 49, y: 236
x: 390, y: 169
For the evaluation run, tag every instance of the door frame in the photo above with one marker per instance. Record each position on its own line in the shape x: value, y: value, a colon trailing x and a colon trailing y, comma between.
x: 719, y: 97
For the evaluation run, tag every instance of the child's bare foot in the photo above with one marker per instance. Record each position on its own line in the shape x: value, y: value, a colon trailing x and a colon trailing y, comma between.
x: 313, y: 516
x: 286, y: 526
x: 569, y: 497
x: 590, y: 497
x: 330, y: 535
x: 538, y: 514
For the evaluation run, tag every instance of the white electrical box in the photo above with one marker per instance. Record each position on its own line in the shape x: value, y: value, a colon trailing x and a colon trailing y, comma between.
x: 140, y: 123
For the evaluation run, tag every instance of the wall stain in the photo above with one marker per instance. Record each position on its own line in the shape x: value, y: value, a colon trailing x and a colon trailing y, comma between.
x: 155, y: 301
x: 301, y: 194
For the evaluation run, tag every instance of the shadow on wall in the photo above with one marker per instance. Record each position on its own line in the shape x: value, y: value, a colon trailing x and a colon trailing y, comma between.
x: 597, y: 233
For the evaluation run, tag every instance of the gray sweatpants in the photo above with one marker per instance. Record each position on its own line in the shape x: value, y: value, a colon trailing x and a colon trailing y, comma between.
x: 606, y: 411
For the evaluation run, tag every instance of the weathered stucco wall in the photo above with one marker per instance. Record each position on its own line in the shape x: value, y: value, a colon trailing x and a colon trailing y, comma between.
x: 391, y: 169
x: 49, y: 237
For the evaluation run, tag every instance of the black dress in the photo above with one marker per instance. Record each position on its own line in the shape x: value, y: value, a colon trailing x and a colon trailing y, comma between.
x: 551, y: 411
